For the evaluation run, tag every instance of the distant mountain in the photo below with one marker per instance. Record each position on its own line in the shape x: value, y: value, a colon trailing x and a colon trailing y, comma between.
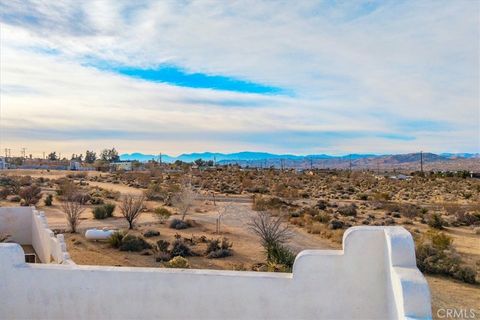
x: 247, y: 156
x: 461, y: 155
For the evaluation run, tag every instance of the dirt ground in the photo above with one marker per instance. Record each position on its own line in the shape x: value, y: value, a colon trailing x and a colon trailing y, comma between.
x: 446, y: 293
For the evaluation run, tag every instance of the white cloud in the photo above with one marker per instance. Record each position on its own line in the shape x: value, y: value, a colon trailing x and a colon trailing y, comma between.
x: 353, y: 69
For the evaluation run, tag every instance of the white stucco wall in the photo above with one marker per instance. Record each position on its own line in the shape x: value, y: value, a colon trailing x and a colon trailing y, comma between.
x: 373, y: 277
x: 27, y: 226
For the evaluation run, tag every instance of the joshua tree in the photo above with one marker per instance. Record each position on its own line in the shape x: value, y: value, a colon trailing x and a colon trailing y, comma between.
x: 72, y: 210
x: 131, y: 208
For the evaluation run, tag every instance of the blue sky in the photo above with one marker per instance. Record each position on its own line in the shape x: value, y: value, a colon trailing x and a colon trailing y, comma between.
x: 286, y: 77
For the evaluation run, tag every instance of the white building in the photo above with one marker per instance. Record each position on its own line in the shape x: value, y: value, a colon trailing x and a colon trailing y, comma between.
x: 121, y: 166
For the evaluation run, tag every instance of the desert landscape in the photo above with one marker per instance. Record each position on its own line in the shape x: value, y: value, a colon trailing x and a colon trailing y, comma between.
x: 202, y: 217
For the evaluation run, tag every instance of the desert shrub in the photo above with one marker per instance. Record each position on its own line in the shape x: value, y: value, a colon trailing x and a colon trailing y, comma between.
x: 99, y: 213
x: 81, y: 198
x: 178, y: 262
x: 315, y: 228
x: 96, y: 200
x: 180, y: 248
x: 381, y: 196
x: 436, y: 255
x: 467, y: 219
x: 15, y: 199
x: 48, y: 200
x: 411, y: 210
x: 104, y: 211
x: 217, y: 248
x: 268, y: 203
x: 280, y: 254
x: 109, y: 208
x: 435, y: 221
x: 30, y: 195
x: 321, y: 204
x: 115, y: 240
x: 163, y: 256
x: 151, y: 233
x: 133, y: 243
x: 162, y: 214
x: 348, y: 210
x: 163, y: 245
x: 362, y: 196
x: 178, y: 224
x: 322, y: 217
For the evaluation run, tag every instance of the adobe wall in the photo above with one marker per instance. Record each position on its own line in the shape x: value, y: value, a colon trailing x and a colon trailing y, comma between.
x: 27, y: 226
x: 373, y: 277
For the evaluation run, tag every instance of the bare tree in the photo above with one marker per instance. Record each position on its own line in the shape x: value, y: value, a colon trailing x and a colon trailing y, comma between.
x: 183, y: 200
x: 221, y: 212
x: 271, y: 230
x: 72, y: 210
x: 131, y: 208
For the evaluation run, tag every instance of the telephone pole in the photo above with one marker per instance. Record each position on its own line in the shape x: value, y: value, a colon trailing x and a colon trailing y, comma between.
x: 350, y: 162
x: 23, y: 153
x: 421, y: 162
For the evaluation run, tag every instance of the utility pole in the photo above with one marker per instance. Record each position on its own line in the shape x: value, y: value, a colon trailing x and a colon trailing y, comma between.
x: 282, y: 164
x: 350, y: 161
x: 6, y: 153
x: 43, y: 155
x: 421, y: 162
x: 23, y: 153
x: 160, y: 159
x: 311, y: 163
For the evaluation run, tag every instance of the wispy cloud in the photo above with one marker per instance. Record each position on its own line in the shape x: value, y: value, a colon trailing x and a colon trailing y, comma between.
x: 306, y: 77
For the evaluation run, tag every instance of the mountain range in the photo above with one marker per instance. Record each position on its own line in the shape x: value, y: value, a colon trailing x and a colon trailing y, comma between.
x: 248, y: 156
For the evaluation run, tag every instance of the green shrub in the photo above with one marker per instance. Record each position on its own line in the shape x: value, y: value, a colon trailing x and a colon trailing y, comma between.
x: 133, y: 243
x: 109, y: 208
x: 115, y: 240
x: 162, y: 214
x: 435, y: 221
x: 280, y: 254
x: 178, y: 262
x: 48, y: 200
x: 104, y: 211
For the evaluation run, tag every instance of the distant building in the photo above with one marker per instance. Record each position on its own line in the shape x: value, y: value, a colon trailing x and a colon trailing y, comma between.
x: 121, y: 166
x: 401, y: 177
x: 3, y: 164
x: 75, y: 165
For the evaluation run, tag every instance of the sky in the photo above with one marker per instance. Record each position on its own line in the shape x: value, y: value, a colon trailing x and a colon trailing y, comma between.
x: 300, y: 77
